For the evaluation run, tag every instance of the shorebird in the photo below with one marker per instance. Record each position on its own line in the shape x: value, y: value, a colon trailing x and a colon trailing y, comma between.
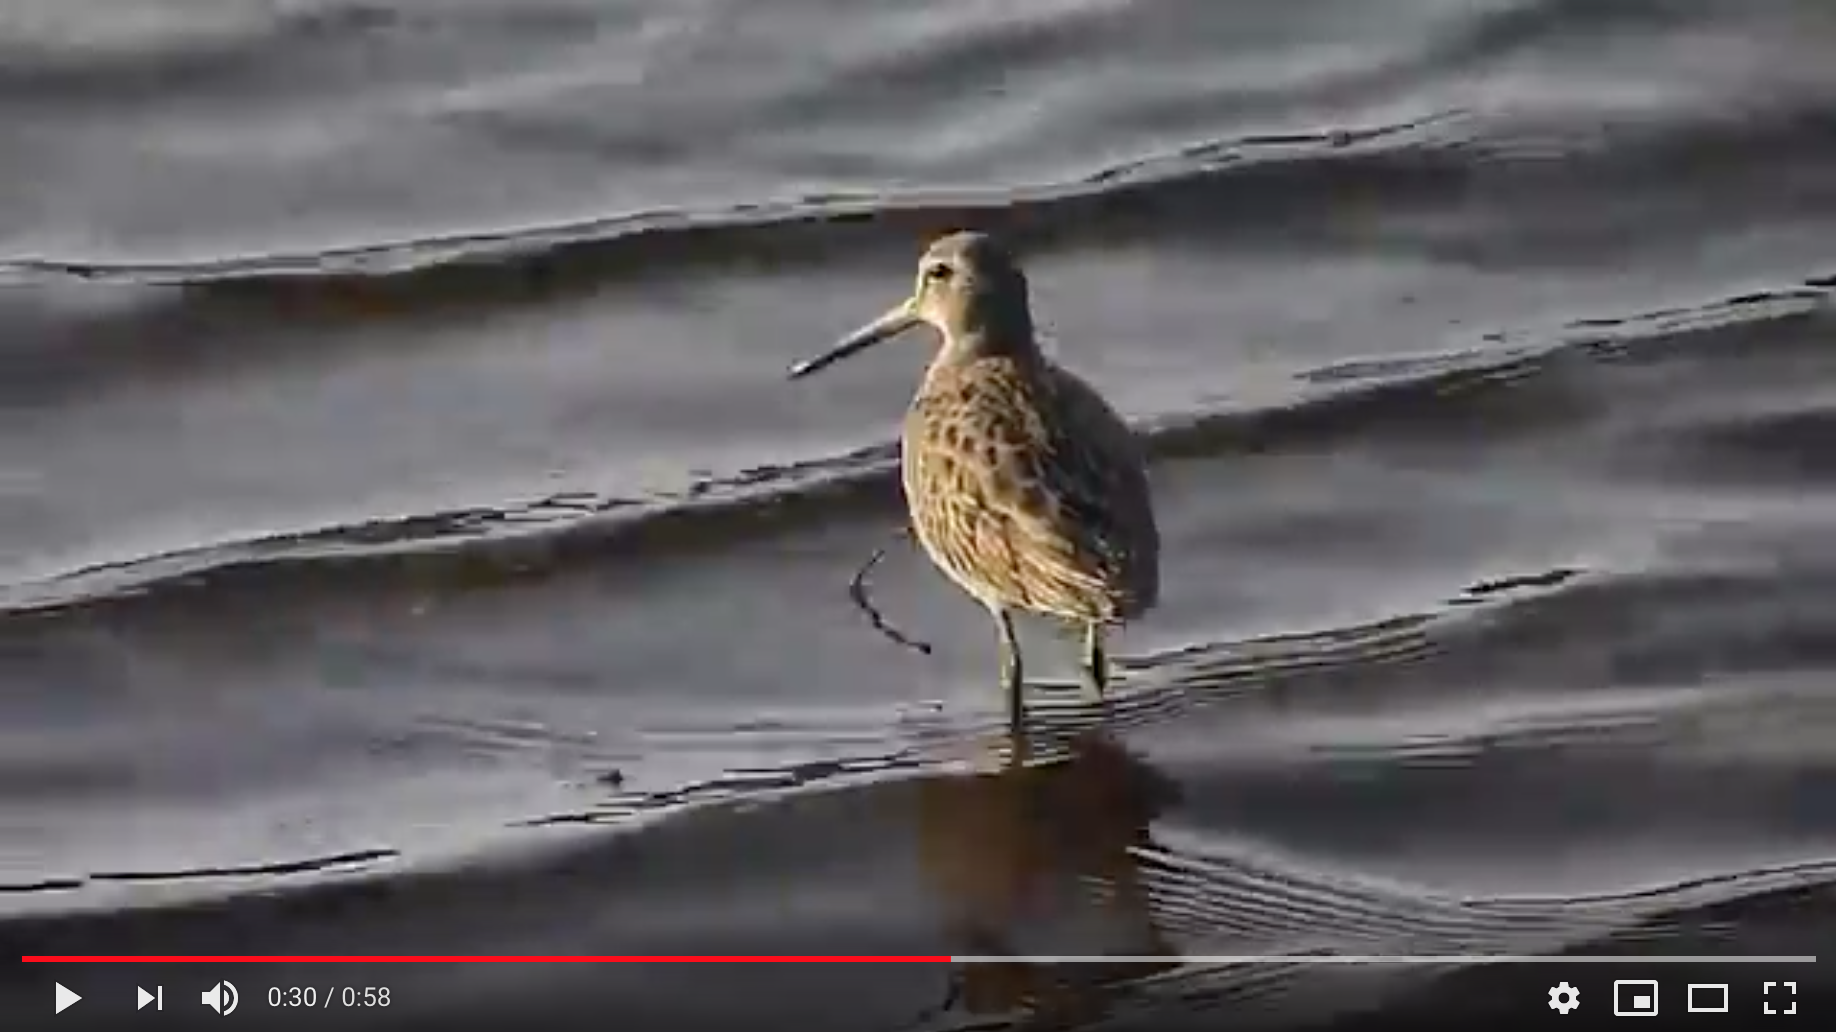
x: 1024, y: 486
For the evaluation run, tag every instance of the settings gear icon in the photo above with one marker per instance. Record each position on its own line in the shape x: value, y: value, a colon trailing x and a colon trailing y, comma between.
x: 1564, y: 998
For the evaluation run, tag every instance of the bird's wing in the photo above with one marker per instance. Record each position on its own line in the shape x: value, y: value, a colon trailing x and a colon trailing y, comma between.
x: 1103, y: 503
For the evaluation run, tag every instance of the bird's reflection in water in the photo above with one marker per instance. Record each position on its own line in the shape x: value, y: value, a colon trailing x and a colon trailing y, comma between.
x: 1035, y: 857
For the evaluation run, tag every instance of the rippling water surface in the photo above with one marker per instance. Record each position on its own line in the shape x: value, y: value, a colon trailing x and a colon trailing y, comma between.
x: 408, y: 542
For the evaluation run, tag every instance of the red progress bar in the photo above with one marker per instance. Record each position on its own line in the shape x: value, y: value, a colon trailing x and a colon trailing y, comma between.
x: 431, y: 959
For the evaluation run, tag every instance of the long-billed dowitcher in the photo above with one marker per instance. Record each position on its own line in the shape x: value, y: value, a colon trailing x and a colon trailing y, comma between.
x: 1024, y: 486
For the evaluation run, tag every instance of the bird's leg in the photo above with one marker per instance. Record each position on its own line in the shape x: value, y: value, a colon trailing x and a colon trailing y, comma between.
x: 1096, y: 665
x: 1011, y: 671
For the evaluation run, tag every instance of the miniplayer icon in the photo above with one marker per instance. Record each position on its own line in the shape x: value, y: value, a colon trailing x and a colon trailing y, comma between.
x: 1635, y: 998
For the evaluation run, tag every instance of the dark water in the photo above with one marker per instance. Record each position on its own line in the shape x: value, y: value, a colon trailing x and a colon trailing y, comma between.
x: 408, y: 543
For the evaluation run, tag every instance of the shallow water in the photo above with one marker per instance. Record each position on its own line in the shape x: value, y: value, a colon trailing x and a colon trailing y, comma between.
x: 409, y: 544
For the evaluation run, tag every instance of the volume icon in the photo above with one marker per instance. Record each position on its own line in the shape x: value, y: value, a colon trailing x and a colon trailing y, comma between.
x: 221, y: 998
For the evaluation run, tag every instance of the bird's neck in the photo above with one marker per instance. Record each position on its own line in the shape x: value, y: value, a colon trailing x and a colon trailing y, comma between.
x: 961, y: 354
x: 988, y: 331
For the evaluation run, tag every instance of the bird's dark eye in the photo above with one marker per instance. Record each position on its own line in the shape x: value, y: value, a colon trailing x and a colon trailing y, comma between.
x: 937, y: 273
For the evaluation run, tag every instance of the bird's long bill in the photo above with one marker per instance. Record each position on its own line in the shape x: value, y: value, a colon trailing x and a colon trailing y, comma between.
x: 897, y: 320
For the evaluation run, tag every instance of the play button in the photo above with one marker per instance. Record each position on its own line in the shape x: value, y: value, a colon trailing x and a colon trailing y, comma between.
x: 64, y: 998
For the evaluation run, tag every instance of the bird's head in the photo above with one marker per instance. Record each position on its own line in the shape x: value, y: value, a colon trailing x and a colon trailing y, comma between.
x: 968, y: 288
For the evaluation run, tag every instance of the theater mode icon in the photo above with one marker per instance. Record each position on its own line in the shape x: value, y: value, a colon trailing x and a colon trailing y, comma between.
x: 1708, y: 998
x: 1635, y: 998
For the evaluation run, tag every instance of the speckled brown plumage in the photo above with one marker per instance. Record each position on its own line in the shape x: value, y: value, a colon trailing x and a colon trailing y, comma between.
x: 1028, y: 491
x: 1025, y: 487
